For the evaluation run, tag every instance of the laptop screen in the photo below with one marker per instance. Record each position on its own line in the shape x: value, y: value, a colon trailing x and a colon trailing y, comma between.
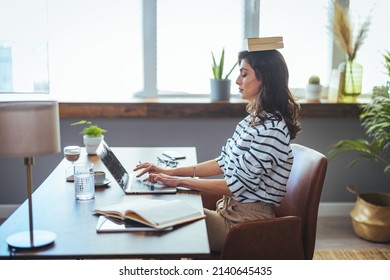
x: 113, y: 165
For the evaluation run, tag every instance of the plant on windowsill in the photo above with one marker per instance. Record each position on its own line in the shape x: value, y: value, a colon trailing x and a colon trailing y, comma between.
x: 371, y: 213
x: 313, y: 89
x: 220, y: 84
x: 92, y: 135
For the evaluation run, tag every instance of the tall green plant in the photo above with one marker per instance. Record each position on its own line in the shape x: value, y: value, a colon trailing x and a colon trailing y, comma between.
x: 218, y: 68
x: 375, y: 119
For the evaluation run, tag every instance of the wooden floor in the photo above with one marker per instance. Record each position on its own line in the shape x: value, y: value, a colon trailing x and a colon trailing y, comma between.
x: 337, y: 233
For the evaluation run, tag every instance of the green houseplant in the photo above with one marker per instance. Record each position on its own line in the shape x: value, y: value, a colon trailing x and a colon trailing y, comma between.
x: 220, y: 83
x: 371, y: 213
x: 375, y: 119
x: 218, y: 68
x: 313, y: 89
x: 91, y: 130
x: 92, y: 135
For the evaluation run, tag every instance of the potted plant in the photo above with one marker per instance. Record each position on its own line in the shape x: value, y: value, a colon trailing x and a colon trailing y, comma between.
x: 313, y: 89
x: 92, y: 135
x: 220, y: 85
x: 371, y: 213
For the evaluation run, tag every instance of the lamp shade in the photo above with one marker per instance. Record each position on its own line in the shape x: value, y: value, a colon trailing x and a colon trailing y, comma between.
x: 29, y: 128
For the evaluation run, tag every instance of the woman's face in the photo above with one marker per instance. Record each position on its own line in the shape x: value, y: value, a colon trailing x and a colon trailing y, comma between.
x: 249, y: 85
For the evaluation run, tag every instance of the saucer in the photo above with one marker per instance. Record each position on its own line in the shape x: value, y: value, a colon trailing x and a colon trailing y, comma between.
x: 70, y: 178
x: 106, y: 182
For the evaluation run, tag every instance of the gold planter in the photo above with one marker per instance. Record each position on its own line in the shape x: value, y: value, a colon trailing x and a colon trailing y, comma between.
x: 371, y: 216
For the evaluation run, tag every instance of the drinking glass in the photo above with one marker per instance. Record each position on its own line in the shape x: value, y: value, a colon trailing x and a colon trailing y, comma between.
x: 72, y: 154
x: 84, y: 181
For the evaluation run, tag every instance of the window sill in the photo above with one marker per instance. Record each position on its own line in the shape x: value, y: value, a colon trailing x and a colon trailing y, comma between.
x: 199, y: 107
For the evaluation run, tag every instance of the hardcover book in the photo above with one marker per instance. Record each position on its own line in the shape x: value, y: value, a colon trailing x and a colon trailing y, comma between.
x: 264, y: 43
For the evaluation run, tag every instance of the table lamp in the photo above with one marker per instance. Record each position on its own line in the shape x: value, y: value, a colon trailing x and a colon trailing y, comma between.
x: 28, y: 129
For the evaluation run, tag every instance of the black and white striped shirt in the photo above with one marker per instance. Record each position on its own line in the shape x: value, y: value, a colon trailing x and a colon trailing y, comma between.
x: 257, y: 161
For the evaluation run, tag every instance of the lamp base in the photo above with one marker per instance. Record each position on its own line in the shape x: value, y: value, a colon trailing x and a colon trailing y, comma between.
x: 22, y: 239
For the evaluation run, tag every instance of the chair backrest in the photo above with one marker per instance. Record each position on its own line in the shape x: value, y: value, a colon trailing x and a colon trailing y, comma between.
x: 304, y: 189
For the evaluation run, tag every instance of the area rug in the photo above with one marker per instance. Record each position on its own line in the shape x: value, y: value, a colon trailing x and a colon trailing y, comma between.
x: 353, y: 254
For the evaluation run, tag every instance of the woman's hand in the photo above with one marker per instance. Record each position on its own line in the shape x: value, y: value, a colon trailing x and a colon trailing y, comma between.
x: 171, y: 181
x: 157, y: 174
x: 151, y: 168
x: 148, y: 168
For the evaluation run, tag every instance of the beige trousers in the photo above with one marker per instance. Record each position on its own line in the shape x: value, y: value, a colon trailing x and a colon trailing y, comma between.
x: 230, y: 212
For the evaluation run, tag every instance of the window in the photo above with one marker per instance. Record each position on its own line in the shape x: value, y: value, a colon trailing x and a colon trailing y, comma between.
x: 187, y: 33
x: 95, y: 48
x: 23, y: 46
x: 376, y: 43
x: 100, y: 48
x: 303, y: 25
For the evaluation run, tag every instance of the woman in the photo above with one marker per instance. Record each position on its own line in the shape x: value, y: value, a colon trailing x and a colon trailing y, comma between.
x: 256, y: 161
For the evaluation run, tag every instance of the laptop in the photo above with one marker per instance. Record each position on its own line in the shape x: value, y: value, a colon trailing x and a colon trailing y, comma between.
x: 129, y: 183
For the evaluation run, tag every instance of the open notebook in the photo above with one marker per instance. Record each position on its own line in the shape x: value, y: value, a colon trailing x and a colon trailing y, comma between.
x: 110, y: 224
x: 129, y: 183
x: 156, y: 213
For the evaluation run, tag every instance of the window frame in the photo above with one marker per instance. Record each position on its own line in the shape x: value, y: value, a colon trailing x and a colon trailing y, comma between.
x: 149, y: 14
x: 251, y: 28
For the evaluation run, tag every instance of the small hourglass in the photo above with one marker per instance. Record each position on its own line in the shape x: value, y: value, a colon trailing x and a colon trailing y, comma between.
x: 71, y: 153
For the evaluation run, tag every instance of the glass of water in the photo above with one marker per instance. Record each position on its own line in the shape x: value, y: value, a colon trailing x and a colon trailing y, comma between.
x: 84, y: 181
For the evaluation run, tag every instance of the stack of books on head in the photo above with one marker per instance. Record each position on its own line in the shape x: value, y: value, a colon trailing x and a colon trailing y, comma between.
x: 264, y: 44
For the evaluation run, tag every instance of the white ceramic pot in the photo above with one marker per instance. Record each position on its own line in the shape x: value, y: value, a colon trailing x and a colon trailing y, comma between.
x: 91, y: 143
x: 313, y: 92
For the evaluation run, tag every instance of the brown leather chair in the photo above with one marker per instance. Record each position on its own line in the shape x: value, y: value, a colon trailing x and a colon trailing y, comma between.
x: 292, y: 233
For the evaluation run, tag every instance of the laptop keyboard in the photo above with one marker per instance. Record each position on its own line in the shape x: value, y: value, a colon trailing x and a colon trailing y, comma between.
x: 140, y: 185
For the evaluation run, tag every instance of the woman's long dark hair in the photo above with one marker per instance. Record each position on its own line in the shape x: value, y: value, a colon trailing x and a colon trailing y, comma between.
x: 275, y: 96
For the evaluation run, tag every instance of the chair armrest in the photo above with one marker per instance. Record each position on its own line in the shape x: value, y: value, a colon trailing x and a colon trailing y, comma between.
x: 272, y: 239
x: 209, y: 200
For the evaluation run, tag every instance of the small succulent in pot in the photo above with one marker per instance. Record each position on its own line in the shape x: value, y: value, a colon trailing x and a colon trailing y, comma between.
x: 313, y: 89
x: 93, y: 135
x: 91, y: 130
x: 314, y: 80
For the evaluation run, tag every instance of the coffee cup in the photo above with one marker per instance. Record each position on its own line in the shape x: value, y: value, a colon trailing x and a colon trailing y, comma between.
x: 100, y: 177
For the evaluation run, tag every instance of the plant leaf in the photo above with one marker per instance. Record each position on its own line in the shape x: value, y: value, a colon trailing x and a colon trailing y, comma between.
x: 214, y: 66
x: 221, y: 65
x: 358, y: 145
x: 218, y: 68
x: 81, y: 122
x: 231, y: 70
